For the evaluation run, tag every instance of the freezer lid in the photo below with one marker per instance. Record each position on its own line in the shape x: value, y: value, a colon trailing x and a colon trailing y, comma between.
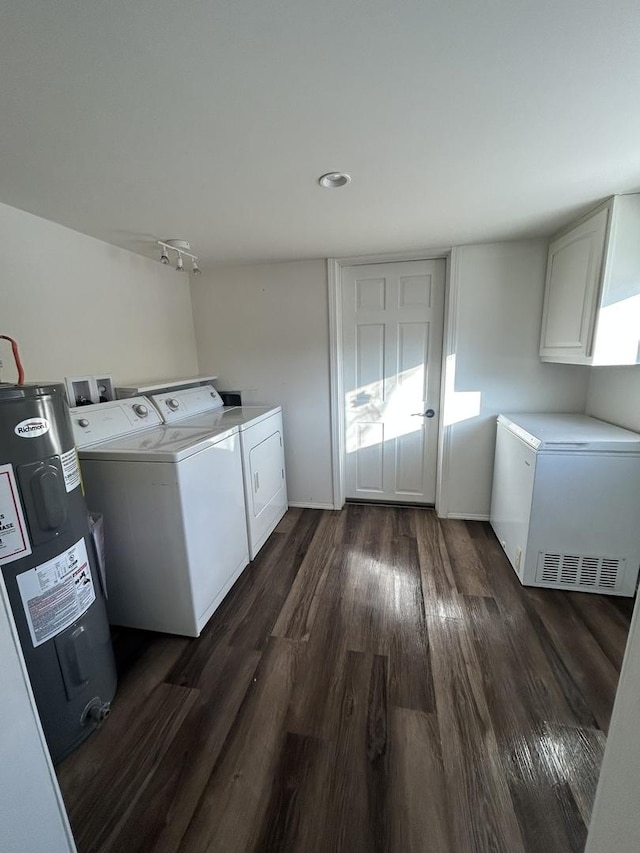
x: 558, y: 432
x: 164, y: 444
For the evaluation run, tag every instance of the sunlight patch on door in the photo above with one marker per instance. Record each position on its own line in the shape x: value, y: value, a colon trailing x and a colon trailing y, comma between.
x: 400, y: 411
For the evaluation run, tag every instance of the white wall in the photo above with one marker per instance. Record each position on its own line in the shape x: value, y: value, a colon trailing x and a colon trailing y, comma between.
x: 614, y: 395
x: 497, y: 367
x: 615, y: 827
x: 79, y: 306
x: 32, y: 815
x: 264, y: 330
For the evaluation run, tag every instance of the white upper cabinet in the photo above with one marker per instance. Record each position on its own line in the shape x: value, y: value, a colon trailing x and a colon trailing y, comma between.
x: 591, y: 309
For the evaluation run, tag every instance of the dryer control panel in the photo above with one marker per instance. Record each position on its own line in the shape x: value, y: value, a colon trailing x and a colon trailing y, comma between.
x: 175, y: 405
x: 104, y: 421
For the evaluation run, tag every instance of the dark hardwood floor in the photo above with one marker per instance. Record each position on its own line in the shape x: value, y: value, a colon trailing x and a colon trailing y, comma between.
x: 377, y: 680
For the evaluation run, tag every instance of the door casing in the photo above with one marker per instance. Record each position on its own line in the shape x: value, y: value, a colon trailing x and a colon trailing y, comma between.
x: 336, y: 362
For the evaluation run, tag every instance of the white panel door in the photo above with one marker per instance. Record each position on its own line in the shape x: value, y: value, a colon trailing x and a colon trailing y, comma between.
x: 392, y: 316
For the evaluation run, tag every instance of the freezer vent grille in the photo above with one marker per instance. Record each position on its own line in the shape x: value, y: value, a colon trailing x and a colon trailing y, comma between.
x: 578, y: 570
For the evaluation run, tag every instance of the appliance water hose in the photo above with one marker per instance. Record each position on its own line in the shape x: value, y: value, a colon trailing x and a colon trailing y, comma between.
x: 16, y: 358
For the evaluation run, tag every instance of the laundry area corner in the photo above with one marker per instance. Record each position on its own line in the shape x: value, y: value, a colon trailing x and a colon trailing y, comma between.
x: 319, y: 427
x: 140, y: 510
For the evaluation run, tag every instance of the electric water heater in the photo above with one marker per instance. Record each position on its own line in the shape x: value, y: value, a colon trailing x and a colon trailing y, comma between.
x: 49, y: 567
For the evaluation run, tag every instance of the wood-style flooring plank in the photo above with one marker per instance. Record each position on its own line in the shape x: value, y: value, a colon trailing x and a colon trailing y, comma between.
x: 579, y: 754
x: 314, y: 708
x: 283, y: 829
x: 247, y: 614
x: 358, y: 586
x: 356, y: 818
x: 109, y: 798
x: 336, y: 799
x: 590, y: 668
x: 479, y: 798
x: 231, y: 810
x: 606, y: 622
x: 289, y: 519
x: 297, y: 616
x: 477, y: 529
x: 274, y: 574
x: 420, y: 814
x: 555, y: 693
x: 377, y: 756
x: 468, y: 569
x: 546, y: 810
x: 411, y: 682
x: 380, y: 593
x: 161, y: 816
x: 402, y: 522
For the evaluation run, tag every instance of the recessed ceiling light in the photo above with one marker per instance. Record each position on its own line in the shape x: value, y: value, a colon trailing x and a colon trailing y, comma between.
x: 333, y: 180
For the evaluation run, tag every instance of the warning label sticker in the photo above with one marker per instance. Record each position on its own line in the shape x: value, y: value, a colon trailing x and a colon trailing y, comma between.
x: 70, y: 469
x: 57, y: 592
x: 14, y: 539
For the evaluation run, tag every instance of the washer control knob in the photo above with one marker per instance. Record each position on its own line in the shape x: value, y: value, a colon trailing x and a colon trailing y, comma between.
x: 83, y: 422
x: 140, y: 410
x: 173, y: 404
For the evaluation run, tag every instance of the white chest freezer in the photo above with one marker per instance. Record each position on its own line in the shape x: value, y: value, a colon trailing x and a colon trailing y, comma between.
x: 566, y: 502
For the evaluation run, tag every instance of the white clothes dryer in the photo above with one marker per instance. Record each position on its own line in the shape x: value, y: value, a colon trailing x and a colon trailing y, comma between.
x: 173, y: 506
x: 262, y: 448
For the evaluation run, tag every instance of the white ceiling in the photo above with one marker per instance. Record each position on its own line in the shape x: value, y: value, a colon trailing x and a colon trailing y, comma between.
x: 211, y: 120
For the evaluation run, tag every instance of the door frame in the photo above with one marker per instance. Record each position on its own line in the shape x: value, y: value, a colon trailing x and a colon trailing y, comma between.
x: 336, y: 361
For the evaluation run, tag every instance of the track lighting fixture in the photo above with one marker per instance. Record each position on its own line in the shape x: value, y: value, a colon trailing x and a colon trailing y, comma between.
x: 181, y: 248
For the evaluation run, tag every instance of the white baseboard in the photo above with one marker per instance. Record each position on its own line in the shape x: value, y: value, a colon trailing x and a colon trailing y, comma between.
x: 467, y: 516
x: 310, y: 505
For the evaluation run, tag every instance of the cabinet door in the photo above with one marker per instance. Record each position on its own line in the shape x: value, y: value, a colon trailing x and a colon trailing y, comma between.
x: 574, y: 274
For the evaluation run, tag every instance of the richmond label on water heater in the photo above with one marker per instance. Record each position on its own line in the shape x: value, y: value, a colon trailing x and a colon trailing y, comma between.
x: 32, y: 427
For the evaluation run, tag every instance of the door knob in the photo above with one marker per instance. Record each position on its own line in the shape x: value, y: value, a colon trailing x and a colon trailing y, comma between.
x: 430, y: 413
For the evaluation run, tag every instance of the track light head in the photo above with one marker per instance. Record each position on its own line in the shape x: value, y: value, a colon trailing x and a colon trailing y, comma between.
x: 182, y: 249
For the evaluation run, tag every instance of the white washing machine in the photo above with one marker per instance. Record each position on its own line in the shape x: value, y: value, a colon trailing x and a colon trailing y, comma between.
x: 174, y: 516
x: 262, y: 446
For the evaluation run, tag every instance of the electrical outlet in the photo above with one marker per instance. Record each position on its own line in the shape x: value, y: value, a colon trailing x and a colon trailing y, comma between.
x: 518, y: 557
